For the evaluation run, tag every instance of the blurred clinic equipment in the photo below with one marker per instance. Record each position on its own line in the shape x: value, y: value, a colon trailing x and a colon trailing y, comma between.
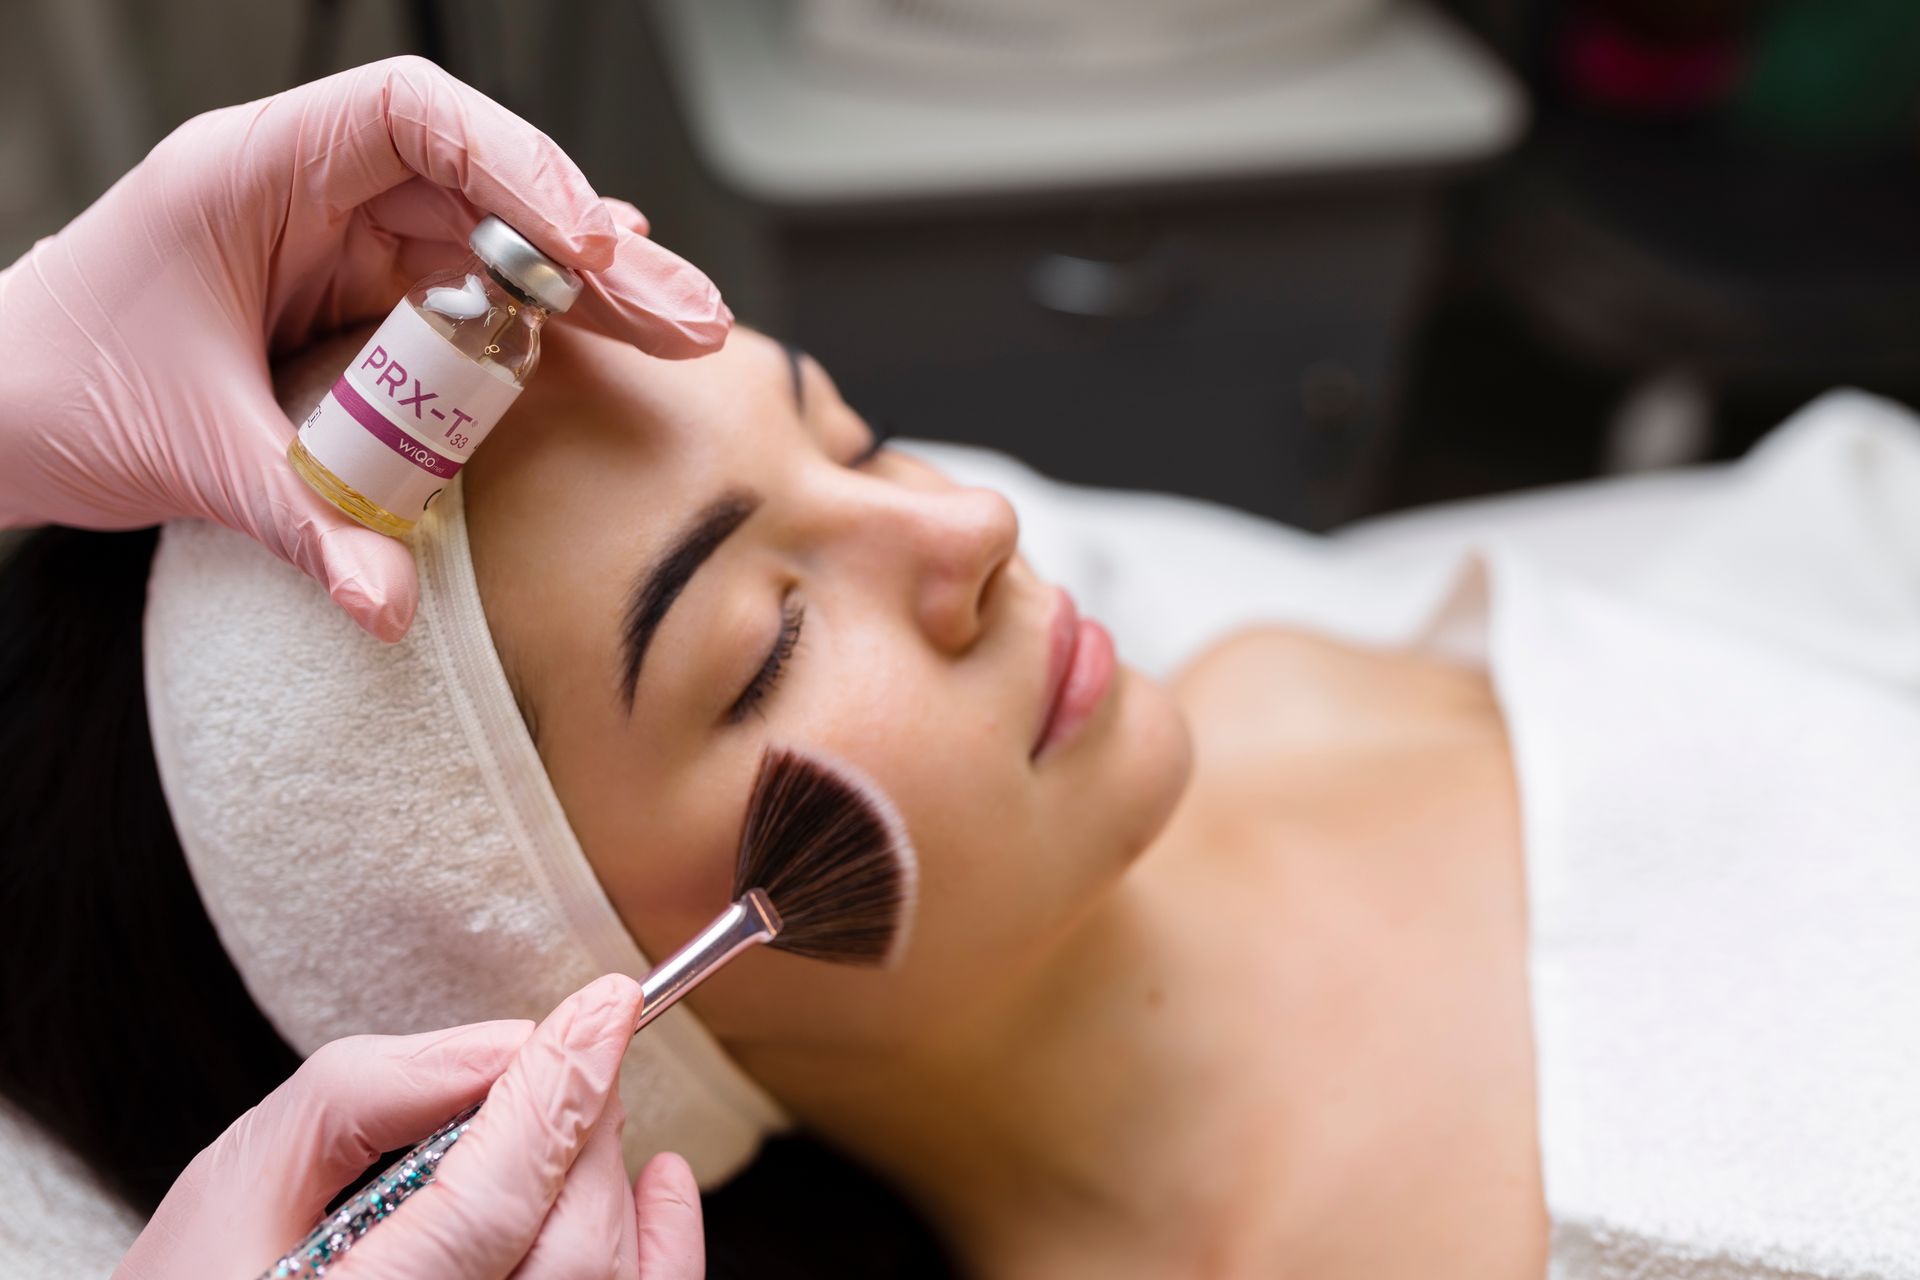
x: 1166, y: 245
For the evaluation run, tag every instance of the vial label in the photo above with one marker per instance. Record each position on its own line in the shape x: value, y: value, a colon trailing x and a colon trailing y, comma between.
x: 404, y: 417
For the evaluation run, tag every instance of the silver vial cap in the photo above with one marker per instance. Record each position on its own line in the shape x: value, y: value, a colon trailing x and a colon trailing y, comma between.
x: 529, y: 270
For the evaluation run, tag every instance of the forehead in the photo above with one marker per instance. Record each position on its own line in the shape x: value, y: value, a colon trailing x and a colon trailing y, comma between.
x: 605, y: 436
x: 611, y: 393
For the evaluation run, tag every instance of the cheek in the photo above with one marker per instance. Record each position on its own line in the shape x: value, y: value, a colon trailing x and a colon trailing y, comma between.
x: 662, y: 846
x: 1010, y: 858
x: 664, y: 896
x: 871, y: 690
x: 1007, y: 881
x: 933, y: 737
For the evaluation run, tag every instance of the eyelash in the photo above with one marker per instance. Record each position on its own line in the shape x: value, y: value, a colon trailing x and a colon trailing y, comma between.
x: 792, y: 617
x: 881, y: 434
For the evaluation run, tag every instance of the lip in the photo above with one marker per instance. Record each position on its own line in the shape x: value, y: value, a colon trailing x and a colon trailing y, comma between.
x: 1080, y: 667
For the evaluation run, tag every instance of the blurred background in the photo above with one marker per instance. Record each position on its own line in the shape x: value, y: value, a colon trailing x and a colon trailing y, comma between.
x: 1314, y: 258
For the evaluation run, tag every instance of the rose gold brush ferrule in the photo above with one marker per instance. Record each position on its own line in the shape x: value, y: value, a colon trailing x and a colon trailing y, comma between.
x: 749, y: 920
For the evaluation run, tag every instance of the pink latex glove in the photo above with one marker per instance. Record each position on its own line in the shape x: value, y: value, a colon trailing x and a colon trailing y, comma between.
x: 136, y: 339
x: 534, y: 1189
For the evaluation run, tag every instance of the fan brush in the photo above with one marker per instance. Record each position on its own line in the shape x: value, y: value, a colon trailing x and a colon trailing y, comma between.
x: 825, y: 870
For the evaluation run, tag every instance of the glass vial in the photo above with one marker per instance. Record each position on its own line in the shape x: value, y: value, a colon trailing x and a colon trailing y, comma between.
x: 432, y: 381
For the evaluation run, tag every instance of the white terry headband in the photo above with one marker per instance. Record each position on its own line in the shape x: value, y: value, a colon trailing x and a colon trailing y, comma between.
x: 373, y: 832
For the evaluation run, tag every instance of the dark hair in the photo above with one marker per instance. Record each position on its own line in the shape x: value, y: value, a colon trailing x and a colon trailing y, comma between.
x: 125, y: 1030
x: 117, y: 993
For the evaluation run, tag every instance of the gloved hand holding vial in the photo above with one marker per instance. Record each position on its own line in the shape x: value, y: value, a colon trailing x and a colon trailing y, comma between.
x: 138, y: 336
x: 432, y: 381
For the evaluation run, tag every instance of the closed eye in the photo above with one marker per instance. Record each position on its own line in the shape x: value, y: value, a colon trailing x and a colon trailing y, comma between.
x: 881, y: 434
x: 792, y: 617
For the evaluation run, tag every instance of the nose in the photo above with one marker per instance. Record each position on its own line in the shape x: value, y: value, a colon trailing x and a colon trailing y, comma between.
x: 940, y: 546
x: 974, y: 538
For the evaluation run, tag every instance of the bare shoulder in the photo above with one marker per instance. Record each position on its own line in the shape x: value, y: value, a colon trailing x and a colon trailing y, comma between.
x: 1285, y: 686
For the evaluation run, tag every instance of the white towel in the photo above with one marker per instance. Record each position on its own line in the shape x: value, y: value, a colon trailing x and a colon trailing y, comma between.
x: 1720, y: 768
x: 56, y: 1220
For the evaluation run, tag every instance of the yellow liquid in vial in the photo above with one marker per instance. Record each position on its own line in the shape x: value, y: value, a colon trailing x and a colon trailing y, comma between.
x: 345, y: 496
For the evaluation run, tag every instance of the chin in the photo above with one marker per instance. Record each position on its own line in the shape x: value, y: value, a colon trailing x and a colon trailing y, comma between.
x: 1151, y: 760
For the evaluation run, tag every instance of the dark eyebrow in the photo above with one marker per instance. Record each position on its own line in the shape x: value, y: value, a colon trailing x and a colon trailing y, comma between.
x: 655, y: 589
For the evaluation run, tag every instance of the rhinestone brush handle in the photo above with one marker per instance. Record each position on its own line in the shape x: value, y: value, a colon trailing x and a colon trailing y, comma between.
x: 752, y: 919
x: 340, y: 1230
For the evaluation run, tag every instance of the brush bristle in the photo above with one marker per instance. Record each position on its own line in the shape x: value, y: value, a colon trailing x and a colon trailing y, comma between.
x: 830, y: 850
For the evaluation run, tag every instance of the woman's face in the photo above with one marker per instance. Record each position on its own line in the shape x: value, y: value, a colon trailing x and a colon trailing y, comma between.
x: 854, y: 603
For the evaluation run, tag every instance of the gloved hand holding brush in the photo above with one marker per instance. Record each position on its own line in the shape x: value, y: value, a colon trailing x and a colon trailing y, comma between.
x: 534, y: 1189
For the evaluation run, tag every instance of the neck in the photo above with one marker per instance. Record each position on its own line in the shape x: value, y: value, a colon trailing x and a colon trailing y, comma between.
x: 1062, y: 1130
